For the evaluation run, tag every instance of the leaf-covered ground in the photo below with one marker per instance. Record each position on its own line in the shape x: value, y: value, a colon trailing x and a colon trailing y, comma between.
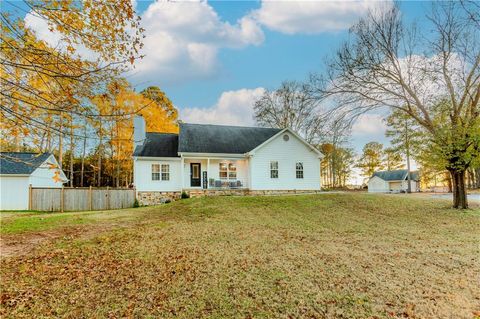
x: 315, y: 256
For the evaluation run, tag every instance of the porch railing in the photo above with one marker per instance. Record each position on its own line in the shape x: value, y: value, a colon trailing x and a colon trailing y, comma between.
x: 226, y: 184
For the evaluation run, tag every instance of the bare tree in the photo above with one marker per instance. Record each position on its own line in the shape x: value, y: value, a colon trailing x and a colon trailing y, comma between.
x: 380, y: 66
x: 292, y: 105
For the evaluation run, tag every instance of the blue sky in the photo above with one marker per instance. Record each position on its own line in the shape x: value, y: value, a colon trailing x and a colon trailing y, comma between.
x: 280, y: 56
x: 214, y: 58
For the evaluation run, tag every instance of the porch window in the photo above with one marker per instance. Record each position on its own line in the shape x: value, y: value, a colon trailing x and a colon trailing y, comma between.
x: 227, y: 171
x: 299, y: 169
x: 165, y: 172
x: 232, y: 171
x: 223, y: 170
x: 274, y: 169
x: 155, y: 172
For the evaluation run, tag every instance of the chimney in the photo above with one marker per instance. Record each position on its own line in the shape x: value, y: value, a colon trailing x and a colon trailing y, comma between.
x: 139, y: 133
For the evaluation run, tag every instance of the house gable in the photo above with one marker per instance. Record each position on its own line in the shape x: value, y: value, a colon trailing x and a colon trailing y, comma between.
x: 43, y: 175
x: 285, y: 153
x: 282, y: 133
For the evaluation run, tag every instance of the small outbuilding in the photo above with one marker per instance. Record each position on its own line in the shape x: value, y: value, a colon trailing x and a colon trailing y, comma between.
x: 393, y: 181
x: 19, y: 170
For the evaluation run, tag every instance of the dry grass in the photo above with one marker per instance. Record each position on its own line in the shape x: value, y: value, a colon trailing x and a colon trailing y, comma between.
x: 318, y: 256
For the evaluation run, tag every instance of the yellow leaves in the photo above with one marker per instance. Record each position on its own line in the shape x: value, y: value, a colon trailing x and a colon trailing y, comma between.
x: 70, y: 49
x: 52, y: 165
x: 56, y: 177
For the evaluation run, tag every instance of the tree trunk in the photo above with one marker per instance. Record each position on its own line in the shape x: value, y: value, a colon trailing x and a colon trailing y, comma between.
x: 100, y: 154
x: 459, y: 189
x: 60, y: 143
x: 83, y: 155
x: 477, y: 174
x: 72, y: 147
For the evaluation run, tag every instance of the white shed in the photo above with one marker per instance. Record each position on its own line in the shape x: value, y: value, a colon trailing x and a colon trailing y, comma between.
x: 19, y: 170
x: 393, y: 181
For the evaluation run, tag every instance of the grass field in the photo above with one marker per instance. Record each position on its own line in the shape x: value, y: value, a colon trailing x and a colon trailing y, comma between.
x: 310, y: 256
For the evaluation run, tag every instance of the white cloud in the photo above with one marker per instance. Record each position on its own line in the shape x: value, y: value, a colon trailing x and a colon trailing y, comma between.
x: 183, y: 39
x: 369, y: 124
x: 54, y: 38
x: 41, y: 29
x: 311, y: 17
x: 232, y: 108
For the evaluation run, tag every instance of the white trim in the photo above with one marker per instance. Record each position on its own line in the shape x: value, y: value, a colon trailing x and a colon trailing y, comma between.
x: 147, y: 158
x: 15, y: 175
x: 211, y: 155
x: 252, y: 152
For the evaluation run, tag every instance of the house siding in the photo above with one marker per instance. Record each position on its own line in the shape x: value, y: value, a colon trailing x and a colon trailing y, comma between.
x: 14, y: 192
x: 143, y: 176
x: 43, y: 175
x: 287, y: 154
x: 377, y: 185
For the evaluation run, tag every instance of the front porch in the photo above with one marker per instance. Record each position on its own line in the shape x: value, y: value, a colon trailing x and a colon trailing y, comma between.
x: 214, y: 173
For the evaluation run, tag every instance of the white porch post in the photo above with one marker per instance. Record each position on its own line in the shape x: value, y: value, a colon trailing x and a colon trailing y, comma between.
x: 208, y: 166
x: 182, y: 169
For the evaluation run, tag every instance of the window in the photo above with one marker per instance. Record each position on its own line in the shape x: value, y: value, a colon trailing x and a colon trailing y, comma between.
x: 165, y: 172
x: 155, y: 172
x: 223, y: 171
x: 299, y: 170
x: 274, y: 169
x: 227, y: 171
x: 232, y: 171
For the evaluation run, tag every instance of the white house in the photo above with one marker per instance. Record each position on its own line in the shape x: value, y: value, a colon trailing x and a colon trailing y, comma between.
x: 19, y: 170
x: 393, y: 181
x: 214, y: 157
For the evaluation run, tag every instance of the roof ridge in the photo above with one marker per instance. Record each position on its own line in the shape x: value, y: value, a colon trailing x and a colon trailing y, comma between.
x: 236, y: 126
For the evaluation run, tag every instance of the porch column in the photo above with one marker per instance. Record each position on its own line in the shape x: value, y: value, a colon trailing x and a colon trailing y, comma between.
x: 208, y: 166
x: 182, y: 177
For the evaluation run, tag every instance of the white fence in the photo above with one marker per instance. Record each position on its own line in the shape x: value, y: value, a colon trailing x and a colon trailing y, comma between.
x: 80, y: 199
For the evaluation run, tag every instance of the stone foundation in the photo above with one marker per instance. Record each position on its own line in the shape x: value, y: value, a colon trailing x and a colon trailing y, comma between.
x: 157, y: 198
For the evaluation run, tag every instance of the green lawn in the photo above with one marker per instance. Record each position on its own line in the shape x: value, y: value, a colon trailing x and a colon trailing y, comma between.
x: 311, y: 256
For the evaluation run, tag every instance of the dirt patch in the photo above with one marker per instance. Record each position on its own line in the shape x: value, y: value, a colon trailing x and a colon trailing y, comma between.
x: 23, y: 244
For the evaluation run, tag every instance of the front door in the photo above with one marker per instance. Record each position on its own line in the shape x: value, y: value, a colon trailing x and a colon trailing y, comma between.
x: 195, y: 175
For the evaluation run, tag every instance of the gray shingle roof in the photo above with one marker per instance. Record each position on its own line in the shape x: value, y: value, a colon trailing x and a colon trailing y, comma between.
x: 21, y: 163
x: 203, y: 138
x: 396, y: 175
x: 158, y: 145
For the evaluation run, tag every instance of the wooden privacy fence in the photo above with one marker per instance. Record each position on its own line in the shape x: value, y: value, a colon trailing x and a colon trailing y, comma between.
x: 79, y: 199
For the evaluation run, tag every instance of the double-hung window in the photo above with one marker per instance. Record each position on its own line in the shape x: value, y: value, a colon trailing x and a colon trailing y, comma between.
x: 155, y: 172
x: 232, y: 171
x: 274, y: 169
x: 227, y: 171
x: 299, y: 170
x: 165, y: 172
x: 223, y: 167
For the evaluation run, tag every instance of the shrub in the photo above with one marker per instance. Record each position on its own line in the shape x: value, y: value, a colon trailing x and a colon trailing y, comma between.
x: 136, y: 203
x: 185, y: 195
